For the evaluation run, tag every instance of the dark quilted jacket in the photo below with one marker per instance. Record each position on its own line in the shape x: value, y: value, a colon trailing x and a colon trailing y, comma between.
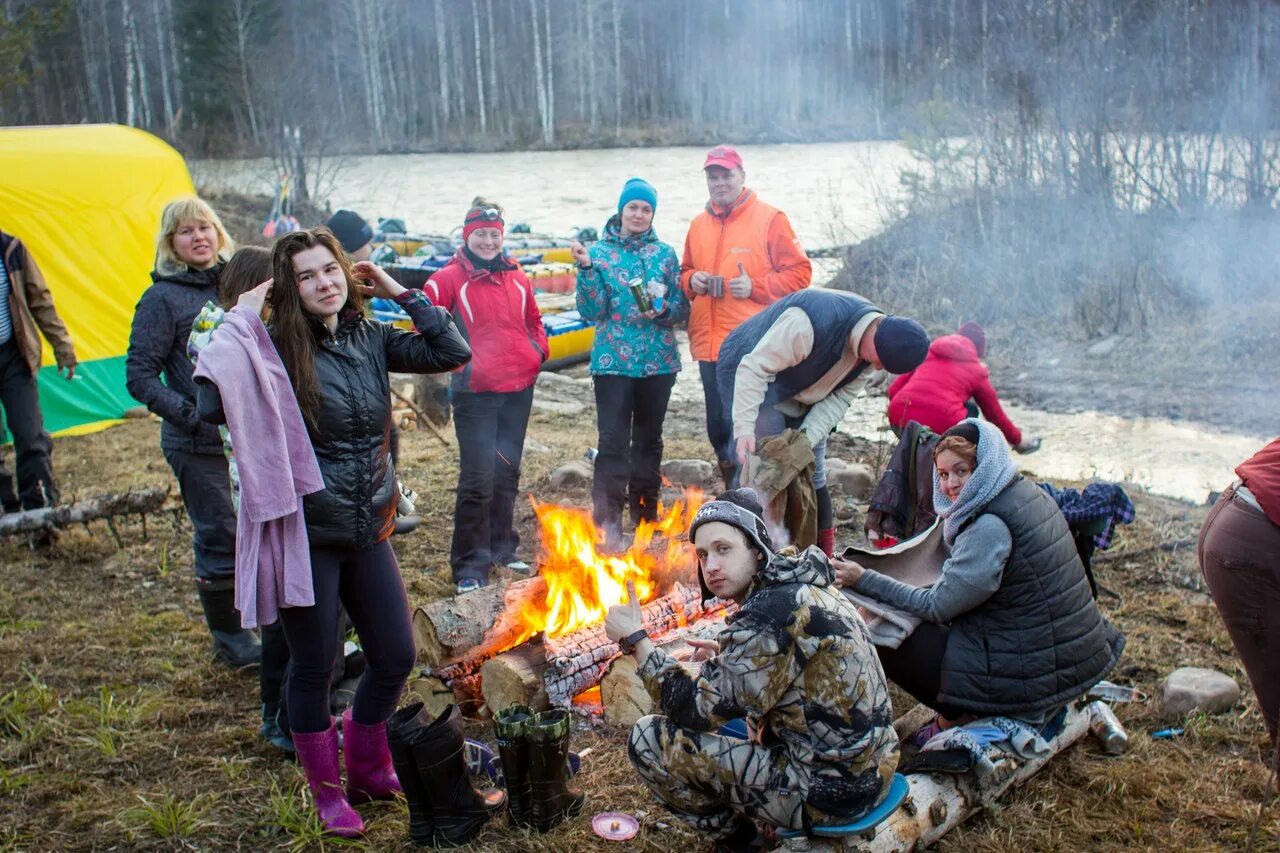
x: 158, y: 347
x: 352, y: 433
x: 1040, y: 641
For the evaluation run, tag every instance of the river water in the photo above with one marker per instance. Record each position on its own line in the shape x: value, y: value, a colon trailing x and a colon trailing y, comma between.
x: 832, y: 192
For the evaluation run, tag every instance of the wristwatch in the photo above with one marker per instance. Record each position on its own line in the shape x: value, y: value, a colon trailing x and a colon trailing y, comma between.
x: 628, y: 644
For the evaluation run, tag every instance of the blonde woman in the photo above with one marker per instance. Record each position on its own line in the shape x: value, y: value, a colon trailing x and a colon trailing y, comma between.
x: 190, y: 252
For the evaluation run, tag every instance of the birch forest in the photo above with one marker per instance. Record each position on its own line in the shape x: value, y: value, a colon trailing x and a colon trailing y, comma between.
x: 224, y: 77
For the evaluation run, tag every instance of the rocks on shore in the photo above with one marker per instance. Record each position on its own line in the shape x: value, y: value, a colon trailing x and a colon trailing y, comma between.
x: 573, y: 474
x: 850, y: 478
x: 1193, y: 688
x: 689, y: 472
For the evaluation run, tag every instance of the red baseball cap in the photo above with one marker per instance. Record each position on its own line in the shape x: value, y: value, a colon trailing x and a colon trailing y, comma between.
x: 724, y: 156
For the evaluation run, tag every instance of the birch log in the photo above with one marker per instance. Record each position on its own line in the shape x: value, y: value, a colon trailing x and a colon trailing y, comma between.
x: 939, y: 802
x: 546, y: 674
x: 140, y: 501
x: 477, y: 624
x: 622, y: 692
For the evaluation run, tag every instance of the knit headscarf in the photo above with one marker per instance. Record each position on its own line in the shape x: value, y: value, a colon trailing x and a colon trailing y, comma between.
x: 995, y: 470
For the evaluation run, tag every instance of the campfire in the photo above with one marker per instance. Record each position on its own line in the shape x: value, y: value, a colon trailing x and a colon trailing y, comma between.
x: 541, y: 641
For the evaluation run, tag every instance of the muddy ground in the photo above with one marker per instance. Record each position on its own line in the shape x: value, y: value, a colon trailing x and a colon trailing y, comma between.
x: 117, y: 730
x: 1194, y: 373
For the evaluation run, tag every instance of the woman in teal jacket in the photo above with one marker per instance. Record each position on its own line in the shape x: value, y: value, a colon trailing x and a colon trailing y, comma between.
x: 629, y: 286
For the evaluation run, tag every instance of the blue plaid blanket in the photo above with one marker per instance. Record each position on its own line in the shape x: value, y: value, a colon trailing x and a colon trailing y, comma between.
x: 1098, y: 501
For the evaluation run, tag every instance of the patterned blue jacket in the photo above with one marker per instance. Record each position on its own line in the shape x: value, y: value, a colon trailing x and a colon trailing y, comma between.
x: 627, y: 343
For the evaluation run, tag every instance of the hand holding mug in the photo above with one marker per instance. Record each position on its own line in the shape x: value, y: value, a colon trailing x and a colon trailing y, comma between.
x: 580, y: 255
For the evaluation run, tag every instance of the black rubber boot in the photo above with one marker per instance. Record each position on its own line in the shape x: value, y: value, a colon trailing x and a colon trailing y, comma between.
x: 404, y: 725
x: 458, y: 809
x: 511, y: 727
x: 232, y: 645
x: 553, y: 799
x: 745, y: 838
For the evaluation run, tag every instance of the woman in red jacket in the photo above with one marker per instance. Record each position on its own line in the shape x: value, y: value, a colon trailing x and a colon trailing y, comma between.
x: 937, y: 394
x: 492, y: 302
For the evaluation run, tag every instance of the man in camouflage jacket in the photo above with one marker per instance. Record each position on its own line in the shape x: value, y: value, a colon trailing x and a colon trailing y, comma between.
x: 795, y: 661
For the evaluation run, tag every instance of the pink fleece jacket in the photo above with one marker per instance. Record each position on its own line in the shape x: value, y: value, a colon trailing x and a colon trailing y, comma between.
x: 277, y: 467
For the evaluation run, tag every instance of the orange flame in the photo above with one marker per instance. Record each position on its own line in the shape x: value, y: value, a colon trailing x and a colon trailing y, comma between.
x: 583, y: 582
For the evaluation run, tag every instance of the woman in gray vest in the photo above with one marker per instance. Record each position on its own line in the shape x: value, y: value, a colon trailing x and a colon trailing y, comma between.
x: 1010, y: 628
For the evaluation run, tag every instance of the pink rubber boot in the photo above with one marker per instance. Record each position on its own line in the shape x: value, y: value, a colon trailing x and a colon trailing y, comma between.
x: 318, y: 754
x: 370, y: 775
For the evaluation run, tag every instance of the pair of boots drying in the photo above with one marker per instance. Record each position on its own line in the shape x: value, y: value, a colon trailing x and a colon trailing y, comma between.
x: 534, y: 749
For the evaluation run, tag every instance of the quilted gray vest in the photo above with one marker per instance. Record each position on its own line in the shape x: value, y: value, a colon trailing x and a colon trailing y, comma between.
x: 1040, y: 641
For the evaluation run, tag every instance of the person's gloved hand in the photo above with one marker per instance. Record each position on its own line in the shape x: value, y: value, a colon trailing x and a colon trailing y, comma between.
x: 1029, y: 444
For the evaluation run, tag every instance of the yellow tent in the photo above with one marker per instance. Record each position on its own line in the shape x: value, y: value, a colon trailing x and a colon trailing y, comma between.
x: 86, y: 201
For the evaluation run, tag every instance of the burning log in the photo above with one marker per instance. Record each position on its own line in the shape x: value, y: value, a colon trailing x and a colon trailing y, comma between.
x: 622, y: 692
x: 550, y: 673
x: 476, y: 625
x: 140, y: 501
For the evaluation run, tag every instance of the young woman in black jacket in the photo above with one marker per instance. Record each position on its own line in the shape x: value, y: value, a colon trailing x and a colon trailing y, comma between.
x: 337, y: 360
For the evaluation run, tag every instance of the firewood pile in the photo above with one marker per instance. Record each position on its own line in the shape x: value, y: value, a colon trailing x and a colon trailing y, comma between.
x: 478, y: 650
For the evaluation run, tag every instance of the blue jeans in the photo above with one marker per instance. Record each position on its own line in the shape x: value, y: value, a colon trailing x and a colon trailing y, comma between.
x: 719, y: 427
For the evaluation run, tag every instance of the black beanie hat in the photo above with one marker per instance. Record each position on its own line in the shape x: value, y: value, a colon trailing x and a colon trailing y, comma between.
x: 901, y: 343
x: 351, y: 230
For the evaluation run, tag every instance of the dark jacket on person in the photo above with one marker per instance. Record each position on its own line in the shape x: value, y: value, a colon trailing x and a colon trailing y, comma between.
x: 31, y: 309
x: 1039, y: 641
x: 352, y: 430
x: 902, y: 503
x: 162, y: 324
x: 351, y: 434
x: 834, y: 315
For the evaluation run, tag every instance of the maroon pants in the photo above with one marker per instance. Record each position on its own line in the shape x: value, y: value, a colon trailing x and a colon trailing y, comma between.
x: 1239, y: 554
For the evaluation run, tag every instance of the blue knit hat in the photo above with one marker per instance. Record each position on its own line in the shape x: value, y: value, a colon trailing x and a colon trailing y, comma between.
x: 901, y: 343
x: 638, y: 189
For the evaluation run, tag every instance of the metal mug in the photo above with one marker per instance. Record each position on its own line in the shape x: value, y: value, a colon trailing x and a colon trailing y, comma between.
x: 715, y: 286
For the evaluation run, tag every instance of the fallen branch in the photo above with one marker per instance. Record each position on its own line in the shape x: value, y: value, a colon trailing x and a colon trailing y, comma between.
x: 133, y: 502
x: 422, y: 416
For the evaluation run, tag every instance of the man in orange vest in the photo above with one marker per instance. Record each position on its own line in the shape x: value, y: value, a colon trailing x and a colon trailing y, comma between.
x: 740, y: 256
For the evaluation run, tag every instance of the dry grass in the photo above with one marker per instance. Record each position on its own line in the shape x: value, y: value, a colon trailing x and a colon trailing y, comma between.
x: 117, y: 729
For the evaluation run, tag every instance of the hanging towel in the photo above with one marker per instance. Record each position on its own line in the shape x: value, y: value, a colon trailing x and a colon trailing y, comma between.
x: 277, y: 467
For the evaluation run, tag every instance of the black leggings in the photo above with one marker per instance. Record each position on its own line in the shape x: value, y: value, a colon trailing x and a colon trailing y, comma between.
x: 629, y: 412
x: 916, y: 667
x: 368, y: 583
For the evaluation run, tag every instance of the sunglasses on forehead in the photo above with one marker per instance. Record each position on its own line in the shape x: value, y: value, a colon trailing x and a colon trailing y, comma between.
x: 485, y: 214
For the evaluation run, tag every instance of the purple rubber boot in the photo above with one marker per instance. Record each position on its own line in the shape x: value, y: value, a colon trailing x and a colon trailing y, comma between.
x: 370, y: 775
x: 318, y: 754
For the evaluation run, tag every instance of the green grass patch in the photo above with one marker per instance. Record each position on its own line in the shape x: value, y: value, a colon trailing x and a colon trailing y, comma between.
x: 166, y: 816
x: 25, y: 710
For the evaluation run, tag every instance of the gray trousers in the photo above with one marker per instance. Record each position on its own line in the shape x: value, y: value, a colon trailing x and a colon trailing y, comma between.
x: 206, y: 493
